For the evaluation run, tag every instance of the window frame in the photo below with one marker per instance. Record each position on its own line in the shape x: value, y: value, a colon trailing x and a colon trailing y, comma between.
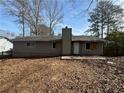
x: 91, y: 46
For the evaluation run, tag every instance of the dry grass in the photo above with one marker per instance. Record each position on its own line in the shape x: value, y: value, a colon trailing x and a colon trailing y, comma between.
x: 52, y: 75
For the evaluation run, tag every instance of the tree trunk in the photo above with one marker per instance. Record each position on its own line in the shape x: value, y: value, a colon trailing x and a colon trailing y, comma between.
x: 51, y: 29
x: 108, y: 27
x: 23, y: 25
x: 36, y: 27
x: 102, y: 24
x: 102, y: 31
x: 98, y: 34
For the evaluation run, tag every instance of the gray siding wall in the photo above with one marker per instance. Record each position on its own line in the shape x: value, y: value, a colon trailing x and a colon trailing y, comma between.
x: 97, y: 51
x: 84, y: 52
x: 45, y: 49
x: 42, y: 49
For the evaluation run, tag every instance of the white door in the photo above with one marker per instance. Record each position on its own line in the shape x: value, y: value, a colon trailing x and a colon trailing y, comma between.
x: 76, y: 48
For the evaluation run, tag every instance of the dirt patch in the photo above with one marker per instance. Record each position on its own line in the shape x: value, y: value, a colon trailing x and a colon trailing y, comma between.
x: 52, y: 75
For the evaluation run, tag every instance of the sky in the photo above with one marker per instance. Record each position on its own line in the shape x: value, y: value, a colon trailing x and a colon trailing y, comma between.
x: 75, y: 16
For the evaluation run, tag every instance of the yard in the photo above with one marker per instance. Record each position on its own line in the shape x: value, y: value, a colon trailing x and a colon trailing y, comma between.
x: 52, y: 75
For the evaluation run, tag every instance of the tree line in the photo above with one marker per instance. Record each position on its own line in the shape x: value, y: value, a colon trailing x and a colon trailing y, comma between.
x: 105, y: 18
x: 106, y: 22
x: 31, y: 14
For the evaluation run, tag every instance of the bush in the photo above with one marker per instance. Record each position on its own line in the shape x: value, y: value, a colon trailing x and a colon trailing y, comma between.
x: 115, y: 44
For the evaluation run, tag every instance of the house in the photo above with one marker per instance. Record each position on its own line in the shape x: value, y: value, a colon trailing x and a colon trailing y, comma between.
x: 43, y: 30
x: 5, y: 44
x: 66, y: 44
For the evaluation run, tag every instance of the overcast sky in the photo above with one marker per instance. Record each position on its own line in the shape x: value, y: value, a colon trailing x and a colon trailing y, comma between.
x: 73, y: 17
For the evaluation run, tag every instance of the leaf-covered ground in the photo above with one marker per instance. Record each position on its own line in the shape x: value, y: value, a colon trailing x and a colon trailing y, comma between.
x: 52, y: 75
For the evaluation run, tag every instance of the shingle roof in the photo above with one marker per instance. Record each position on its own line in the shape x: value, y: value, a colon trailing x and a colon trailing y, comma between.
x: 57, y: 38
x: 87, y: 38
x: 37, y: 38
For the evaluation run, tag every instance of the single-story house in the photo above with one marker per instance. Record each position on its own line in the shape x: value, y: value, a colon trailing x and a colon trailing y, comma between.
x: 65, y: 45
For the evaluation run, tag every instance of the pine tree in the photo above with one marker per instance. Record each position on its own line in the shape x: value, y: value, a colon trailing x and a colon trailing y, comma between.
x: 104, y: 17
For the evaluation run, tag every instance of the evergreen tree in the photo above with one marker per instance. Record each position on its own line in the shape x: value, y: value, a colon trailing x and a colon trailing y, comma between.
x: 104, y: 17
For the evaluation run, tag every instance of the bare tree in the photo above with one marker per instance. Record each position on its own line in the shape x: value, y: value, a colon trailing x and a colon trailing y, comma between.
x: 34, y: 14
x: 54, y: 13
x: 28, y: 12
x: 15, y: 8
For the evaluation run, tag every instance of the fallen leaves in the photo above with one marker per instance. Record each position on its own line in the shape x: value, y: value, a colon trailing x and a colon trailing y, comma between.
x: 52, y: 75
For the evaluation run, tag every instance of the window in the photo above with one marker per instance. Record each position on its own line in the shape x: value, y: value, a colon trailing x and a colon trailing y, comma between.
x: 28, y: 44
x: 91, y: 46
x: 54, y: 45
x: 88, y: 45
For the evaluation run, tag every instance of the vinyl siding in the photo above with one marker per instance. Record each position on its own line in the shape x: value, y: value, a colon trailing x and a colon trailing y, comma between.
x: 36, y: 49
x: 91, y: 52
